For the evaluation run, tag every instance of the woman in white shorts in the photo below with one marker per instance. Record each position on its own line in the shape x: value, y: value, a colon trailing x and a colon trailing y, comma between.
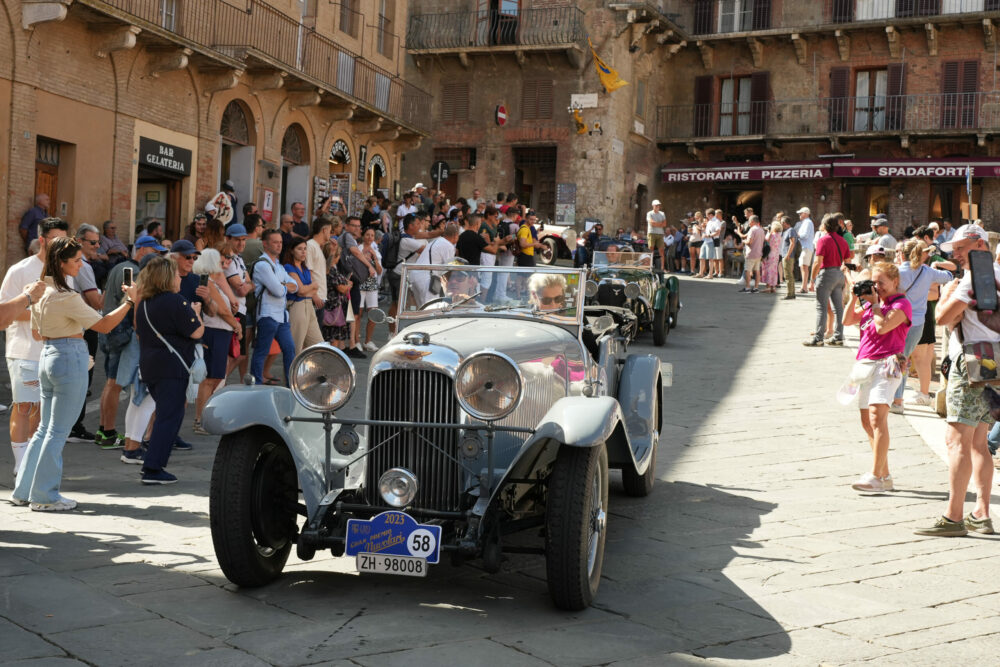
x: 369, y: 288
x: 884, y: 317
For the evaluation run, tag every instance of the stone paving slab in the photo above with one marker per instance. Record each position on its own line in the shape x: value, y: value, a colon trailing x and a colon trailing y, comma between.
x: 751, y: 549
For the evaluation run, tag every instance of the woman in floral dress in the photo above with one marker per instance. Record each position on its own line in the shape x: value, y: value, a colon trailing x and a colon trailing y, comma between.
x: 769, y: 272
x: 338, y: 288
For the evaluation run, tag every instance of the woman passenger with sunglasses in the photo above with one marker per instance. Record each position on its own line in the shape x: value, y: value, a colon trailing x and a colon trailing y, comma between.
x: 59, y: 319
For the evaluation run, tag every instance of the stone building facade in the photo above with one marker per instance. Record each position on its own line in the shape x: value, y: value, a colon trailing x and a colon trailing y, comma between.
x: 532, y: 59
x: 122, y: 110
x: 861, y: 106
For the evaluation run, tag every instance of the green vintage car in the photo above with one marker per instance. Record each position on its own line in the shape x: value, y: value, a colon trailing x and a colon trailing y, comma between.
x: 626, y: 279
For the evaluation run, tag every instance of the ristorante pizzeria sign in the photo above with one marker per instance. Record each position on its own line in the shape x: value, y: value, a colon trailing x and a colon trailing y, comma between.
x: 745, y: 171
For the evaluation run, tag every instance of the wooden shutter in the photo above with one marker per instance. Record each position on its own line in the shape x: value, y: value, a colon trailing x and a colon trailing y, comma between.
x: 703, y: 88
x: 536, y: 99
x: 455, y: 101
x: 843, y: 11
x: 895, y: 103
x: 840, y: 102
x: 704, y: 15
x: 761, y: 14
x: 968, y: 87
x: 959, y: 85
x: 760, y: 101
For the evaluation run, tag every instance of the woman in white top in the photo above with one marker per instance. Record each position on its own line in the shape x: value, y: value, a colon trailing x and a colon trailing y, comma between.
x: 220, y: 329
x: 369, y: 288
x: 59, y: 319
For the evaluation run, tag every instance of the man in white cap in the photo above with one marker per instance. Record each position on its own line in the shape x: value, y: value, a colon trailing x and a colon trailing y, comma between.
x: 423, y: 201
x: 656, y: 221
x: 968, y: 420
x: 806, y: 232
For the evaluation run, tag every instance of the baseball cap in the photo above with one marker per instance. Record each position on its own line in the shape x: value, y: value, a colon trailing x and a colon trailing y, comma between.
x: 964, y: 232
x: 236, y: 231
x: 804, y: 209
x: 184, y: 247
x: 875, y: 250
x: 880, y: 222
x: 656, y: 202
x: 934, y: 225
x: 146, y: 241
x: 418, y: 186
x: 229, y: 185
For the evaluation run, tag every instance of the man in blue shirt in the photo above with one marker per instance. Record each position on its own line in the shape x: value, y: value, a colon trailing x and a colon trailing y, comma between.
x: 272, y: 286
x: 29, y: 221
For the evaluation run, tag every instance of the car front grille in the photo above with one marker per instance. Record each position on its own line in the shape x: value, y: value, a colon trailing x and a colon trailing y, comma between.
x: 609, y: 294
x: 416, y: 396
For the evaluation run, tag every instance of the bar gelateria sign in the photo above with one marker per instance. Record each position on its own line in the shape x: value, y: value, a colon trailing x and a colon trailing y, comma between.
x: 165, y: 157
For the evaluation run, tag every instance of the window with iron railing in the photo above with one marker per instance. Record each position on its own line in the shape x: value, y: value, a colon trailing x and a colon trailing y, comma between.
x: 846, y: 11
x: 959, y: 84
x: 349, y: 17
x: 168, y: 15
x: 724, y: 16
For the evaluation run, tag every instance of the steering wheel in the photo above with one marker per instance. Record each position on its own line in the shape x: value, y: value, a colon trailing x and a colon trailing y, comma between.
x: 439, y: 299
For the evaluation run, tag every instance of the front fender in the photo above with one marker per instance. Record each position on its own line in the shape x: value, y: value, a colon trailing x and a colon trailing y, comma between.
x: 240, y: 407
x: 573, y: 421
x: 660, y: 298
x: 638, y: 394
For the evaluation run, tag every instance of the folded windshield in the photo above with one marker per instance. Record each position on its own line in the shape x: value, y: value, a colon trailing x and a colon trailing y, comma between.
x: 619, y: 258
x: 536, y: 292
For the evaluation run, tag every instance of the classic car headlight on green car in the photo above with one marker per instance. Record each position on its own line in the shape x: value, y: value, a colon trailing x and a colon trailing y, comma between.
x: 488, y: 385
x: 322, y: 378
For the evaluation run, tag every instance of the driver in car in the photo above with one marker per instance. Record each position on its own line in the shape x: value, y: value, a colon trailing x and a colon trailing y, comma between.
x: 458, y: 286
x: 548, y: 292
x: 613, y: 255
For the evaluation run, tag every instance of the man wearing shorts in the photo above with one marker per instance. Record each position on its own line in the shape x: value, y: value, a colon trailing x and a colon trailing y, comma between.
x: 23, y: 351
x: 239, y: 281
x: 753, y: 244
x: 968, y: 420
x: 806, y: 232
x: 655, y: 223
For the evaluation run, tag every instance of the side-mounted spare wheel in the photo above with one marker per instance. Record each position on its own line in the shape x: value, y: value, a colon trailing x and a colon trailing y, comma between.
x: 253, y: 506
x: 575, y: 525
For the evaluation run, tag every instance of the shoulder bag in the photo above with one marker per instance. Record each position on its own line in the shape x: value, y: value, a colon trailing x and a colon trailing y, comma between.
x: 981, y: 360
x: 197, y: 371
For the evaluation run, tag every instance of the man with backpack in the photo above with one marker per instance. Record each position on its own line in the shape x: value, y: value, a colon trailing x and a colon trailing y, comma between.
x: 271, y: 287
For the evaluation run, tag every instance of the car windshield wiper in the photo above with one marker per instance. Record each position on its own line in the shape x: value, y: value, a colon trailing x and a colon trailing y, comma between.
x: 539, y: 311
x: 462, y: 302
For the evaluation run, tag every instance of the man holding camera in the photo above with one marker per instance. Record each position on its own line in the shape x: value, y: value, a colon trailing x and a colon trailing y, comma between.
x: 968, y: 417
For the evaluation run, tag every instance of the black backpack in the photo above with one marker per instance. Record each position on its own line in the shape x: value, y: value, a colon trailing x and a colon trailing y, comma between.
x: 252, y: 296
x: 765, y: 249
x: 389, y: 248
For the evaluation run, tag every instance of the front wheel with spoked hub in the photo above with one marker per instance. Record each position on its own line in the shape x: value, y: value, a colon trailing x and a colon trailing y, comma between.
x: 253, y: 506
x: 575, y: 525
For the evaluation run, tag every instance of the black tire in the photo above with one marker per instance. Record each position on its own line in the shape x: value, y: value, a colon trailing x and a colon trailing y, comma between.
x: 640, y: 486
x: 675, y: 310
x: 575, y: 525
x: 550, y: 254
x: 660, y: 328
x: 252, y: 507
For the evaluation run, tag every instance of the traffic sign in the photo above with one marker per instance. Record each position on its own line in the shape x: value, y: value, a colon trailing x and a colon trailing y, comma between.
x: 501, y: 115
x: 440, y: 171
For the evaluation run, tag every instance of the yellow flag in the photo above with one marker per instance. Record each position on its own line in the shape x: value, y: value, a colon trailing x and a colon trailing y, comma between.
x: 609, y: 77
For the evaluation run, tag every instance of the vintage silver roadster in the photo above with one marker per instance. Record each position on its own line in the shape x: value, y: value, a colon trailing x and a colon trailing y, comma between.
x: 621, y: 278
x: 500, y: 406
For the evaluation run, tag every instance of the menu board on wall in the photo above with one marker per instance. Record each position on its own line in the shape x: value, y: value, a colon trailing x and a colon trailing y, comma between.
x: 340, y: 185
x: 565, y: 204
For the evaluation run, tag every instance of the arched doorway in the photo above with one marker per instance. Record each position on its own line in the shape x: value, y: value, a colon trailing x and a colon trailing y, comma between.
x: 294, y: 168
x: 237, y: 154
x: 377, y: 175
x: 339, y: 163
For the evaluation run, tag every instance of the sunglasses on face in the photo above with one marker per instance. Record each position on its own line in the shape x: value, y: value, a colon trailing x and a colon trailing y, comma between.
x: 191, y: 257
x: 91, y: 242
x: 549, y: 300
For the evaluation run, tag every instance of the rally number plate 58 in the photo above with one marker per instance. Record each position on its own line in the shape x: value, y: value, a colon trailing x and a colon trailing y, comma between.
x: 393, y: 543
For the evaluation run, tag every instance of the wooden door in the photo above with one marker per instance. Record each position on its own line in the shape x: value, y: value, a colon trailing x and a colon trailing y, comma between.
x: 47, y: 182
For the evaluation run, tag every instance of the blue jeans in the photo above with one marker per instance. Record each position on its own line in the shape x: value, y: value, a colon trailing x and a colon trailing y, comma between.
x: 62, y: 375
x: 269, y: 329
x: 830, y: 291
x: 912, y: 338
x: 993, y: 439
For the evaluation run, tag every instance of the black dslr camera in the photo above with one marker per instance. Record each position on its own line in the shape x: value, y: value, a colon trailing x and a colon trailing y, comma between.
x: 864, y: 287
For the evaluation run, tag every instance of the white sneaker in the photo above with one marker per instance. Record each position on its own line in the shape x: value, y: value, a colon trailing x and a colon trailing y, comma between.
x: 61, y: 505
x: 921, y: 399
x: 887, y: 483
x: 371, y: 346
x: 896, y: 409
x: 869, y: 483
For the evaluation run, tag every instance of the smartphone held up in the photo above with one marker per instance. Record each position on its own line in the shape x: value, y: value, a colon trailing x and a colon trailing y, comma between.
x: 984, y: 284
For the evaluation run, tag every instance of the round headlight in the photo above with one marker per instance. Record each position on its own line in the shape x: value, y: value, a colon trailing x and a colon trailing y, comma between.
x: 590, y: 289
x: 632, y: 290
x: 322, y: 378
x: 398, y: 487
x: 488, y: 385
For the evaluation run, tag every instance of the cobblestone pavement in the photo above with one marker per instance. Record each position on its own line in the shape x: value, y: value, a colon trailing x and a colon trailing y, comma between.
x: 752, y: 547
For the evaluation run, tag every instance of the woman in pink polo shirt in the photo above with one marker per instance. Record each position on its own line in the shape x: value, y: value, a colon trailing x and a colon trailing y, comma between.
x: 884, y: 317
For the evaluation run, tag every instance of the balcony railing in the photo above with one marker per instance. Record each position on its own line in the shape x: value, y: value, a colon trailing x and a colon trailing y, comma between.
x: 263, y: 31
x: 820, y: 117
x: 551, y: 26
x: 848, y: 11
